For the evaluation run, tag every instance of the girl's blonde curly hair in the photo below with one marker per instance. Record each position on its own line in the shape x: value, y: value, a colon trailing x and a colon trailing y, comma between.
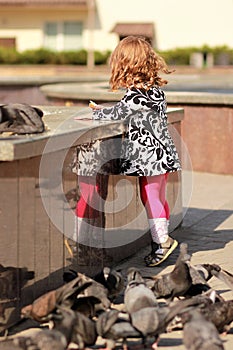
x: 134, y: 63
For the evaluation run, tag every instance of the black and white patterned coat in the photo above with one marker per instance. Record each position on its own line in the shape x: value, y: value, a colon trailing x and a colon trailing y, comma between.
x: 147, y: 148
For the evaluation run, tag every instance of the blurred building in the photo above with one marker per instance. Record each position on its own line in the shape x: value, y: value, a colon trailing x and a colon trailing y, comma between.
x: 99, y: 24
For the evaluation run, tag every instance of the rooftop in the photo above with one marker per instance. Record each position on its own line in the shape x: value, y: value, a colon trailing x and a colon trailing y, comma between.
x: 125, y: 29
x: 43, y: 3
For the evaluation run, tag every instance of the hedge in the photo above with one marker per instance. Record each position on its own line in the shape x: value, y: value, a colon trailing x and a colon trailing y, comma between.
x: 223, y: 55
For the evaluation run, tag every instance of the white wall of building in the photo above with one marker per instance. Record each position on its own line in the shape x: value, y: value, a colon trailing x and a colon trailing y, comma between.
x: 27, y: 26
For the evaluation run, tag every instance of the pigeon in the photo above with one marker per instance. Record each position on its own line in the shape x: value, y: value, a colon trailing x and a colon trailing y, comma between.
x: 175, y: 283
x: 153, y: 321
x: 199, y: 276
x: 82, y: 330
x: 112, y: 280
x: 44, y: 340
x: 11, y: 344
x: 202, y: 302
x: 199, y: 333
x: 12, y: 279
x: 113, y: 325
x: 69, y: 275
x: 86, y: 305
x: 50, y: 339
x: 137, y: 295
x: 220, y: 314
x: 202, y: 273
x: 47, y: 303
x: 96, y: 291
x: 223, y: 275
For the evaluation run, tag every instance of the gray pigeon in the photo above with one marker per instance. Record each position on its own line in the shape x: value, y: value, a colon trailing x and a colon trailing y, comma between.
x: 112, y: 280
x: 200, y: 301
x: 96, y: 290
x: 94, y: 299
x: 220, y: 314
x: 84, y: 331
x: 199, y: 276
x: 86, y: 305
x: 199, y: 333
x: 153, y: 321
x: 221, y: 274
x: 137, y: 295
x: 202, y: 273
x: 113, y: 326
x: 175, y: 283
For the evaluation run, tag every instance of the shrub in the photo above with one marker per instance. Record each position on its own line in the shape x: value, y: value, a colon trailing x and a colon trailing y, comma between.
x: 8, y: 56
x: 73, y: 57
x: 223, y: 55
x: 38, y: 56
x: 101, y: 57
x: 178, y: 56
x: 181, y: 56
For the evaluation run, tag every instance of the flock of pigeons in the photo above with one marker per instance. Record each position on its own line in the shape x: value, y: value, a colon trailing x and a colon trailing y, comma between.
x: 84, y: 308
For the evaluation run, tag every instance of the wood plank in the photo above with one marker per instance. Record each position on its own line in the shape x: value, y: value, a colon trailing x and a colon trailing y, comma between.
x: 9, y: 214
x: 42, y: 239
x: 9, y: 217
x: 28, y: 173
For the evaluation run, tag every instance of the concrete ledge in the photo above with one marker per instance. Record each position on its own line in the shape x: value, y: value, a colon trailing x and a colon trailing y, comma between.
x: 199, y: 98
x: 62, y: 126
x: 81, y: 93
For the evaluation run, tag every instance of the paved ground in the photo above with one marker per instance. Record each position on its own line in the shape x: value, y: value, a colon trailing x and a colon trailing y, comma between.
x: 208, y: 230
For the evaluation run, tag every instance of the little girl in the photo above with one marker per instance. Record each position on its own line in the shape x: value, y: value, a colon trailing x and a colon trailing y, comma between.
x: 147, y: 150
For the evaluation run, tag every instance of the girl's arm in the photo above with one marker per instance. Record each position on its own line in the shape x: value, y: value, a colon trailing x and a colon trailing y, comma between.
x: 117, y: 112
x: 126, y: 107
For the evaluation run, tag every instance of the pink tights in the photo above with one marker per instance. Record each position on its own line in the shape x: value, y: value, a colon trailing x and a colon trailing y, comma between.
x: 152, y: 191
x: 153, y: 196
x: 88, y: 205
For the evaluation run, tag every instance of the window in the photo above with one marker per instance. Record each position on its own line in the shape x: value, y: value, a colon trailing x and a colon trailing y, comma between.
x: 51, y: 36
x: 63, y: 35
x: 72, y: 35
x: 8, y: 42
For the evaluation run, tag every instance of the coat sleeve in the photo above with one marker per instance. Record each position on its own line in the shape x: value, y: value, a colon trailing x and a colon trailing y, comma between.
x: 122, y: 110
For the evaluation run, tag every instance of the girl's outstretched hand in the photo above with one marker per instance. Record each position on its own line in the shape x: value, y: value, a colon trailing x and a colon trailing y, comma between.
x: 94, y: 105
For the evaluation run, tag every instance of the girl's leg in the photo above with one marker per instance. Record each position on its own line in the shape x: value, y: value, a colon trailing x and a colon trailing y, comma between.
x: 153, y: 189
x: 153, y: 195
x: 88, y: 203
x: 87, y: 209
x: 163, y: 195
x: 90, y: 216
